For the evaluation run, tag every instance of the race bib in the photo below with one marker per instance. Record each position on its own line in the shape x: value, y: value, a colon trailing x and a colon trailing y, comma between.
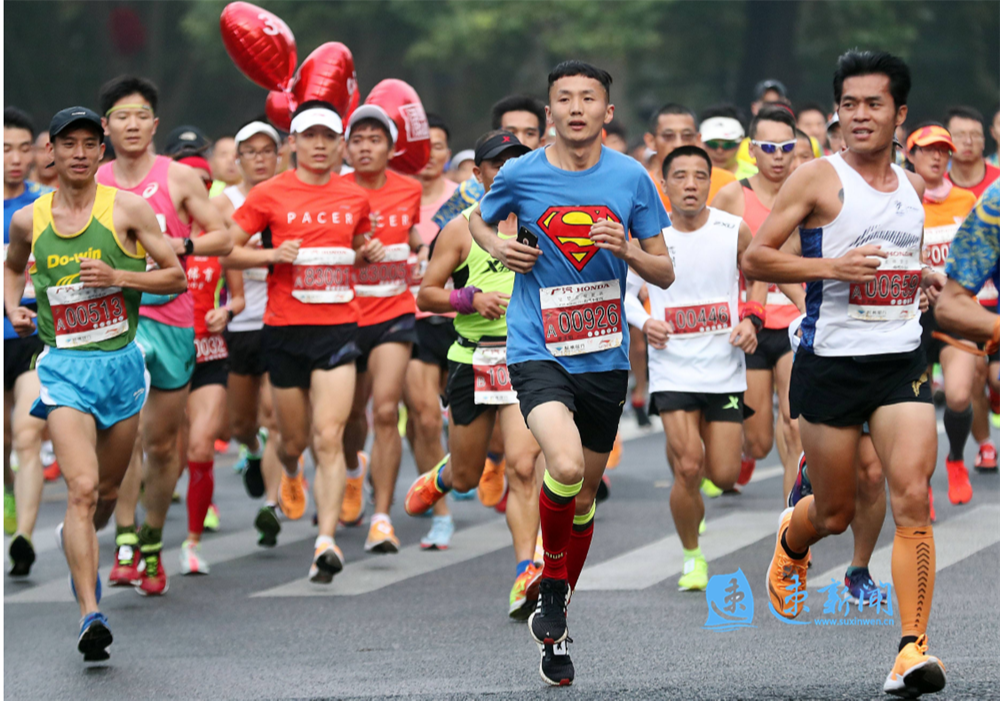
x: 388, y: 277
x: 582, y: 318
x: 937, y: 243
x: 700, y: 319
x: 414, y: 273
x: 988, y: 294
x: 323, y: 275
x: 892, y: 295
x: 492, y: 380
x: 83, y: 315
x: 775, y: 296
x: 210, y: 348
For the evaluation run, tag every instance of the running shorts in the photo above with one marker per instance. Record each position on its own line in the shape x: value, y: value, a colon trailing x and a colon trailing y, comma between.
x: 19, y: 356
x: 245, y: 357
x: 772, y: 345
x: 292, y: 352
x: 595, y: 398
x: 435, y: 334
x: 214, y: 372
x: 727, y: 406
x: 845, y: 391
x: 111, y: 386
x: 169, y: 352
x: 401, y: 329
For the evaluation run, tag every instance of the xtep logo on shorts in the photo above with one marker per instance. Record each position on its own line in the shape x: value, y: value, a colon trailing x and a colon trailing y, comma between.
x: 569, y: 229
x: 734, y: 402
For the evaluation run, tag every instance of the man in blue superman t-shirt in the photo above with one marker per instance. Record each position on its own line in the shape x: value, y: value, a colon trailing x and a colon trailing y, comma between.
x: 567, y: 345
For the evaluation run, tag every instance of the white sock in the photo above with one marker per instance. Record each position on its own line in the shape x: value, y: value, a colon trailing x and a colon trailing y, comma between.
x: 323, y: 540
x: 355, y: 473
x: 376, y: 518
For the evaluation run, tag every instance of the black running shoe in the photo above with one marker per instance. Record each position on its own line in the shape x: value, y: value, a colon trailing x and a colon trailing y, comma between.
x: 603, y: 489
x: 267, y: 526
x: 22, y: 556
x: 253, y: 479
x: 556, y: 667
x: 547, y: 622
x: 95, y: 637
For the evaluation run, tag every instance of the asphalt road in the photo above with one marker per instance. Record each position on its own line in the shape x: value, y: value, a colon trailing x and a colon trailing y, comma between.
x: 432, y: 625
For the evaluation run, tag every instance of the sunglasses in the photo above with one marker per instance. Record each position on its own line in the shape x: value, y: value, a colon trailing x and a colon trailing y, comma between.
x: 724, y: 145
x: 770, y: 147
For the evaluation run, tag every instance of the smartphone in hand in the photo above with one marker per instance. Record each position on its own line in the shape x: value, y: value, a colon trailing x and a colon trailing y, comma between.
x: 527, y: 238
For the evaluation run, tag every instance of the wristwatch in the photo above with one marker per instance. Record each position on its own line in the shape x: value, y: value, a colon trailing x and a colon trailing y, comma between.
x: 229, y: 314
x: 188, y: 247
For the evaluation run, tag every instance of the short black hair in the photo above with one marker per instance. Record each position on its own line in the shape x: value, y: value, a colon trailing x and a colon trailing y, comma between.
x: 810, y: 107
x: 436, y: 121
x: 723, y: 109
x: 258, y: 118
x: 858, y: 63
x: 799, y: 134
x: 671, y: 108
x: 963, y: 112
x: 771, y: 113
x: 518, y: 103
x: 18, y: 119
x: 125, y: 85
x: 311, y: 104
x: 616, y: 128
x: 574, y: 67
x: 373, y: 123
x: 685, y: 151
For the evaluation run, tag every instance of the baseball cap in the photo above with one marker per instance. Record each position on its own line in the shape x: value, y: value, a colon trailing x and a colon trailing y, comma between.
x: 771, y: 84
x: 460, y: 157
x: 497, y: 144
x: 186, y: 138
x: 373, y: 112
x: 81, y: 116
x: 257, y: 127
x: 834, y: 120
x: 317, y: 117
x: 721, y: 129
x: 930, y: 135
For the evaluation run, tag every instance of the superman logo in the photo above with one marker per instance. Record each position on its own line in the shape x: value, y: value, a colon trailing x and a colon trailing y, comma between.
x: 569, y: 229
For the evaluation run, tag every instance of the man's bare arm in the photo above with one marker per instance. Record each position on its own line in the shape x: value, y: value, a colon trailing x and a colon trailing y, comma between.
x: 215, y: 241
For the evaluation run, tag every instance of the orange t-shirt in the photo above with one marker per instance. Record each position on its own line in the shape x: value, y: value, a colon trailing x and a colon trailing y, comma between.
x: 720, y: 178
x: 325, y: 219
x: 941, y: 222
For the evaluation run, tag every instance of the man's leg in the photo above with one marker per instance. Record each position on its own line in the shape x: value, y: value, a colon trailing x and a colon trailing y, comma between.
x: 789, y: 443
x: 421, y: 392
x: 356, y: 431
x: 959, y: 368
x: 293, y: 420
x: 162, y: 419
x: 637, y: 359
x: 9, y: 505
x: 243, y: 396
x: 27, y: 435
x: 869, y: 503
x: 521, y: 451
x: 206, y: 421
x: 328, y: 397
x: 686, y: 457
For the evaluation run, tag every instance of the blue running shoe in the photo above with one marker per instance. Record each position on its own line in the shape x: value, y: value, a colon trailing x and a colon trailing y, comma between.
x: 95, y: 637
x: 861, y: 587
x: 439, y: 537
x: 802, y: 487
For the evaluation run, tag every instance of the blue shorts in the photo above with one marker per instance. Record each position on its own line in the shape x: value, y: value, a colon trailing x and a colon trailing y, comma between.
x: 111, y: 386
x: 170, y: 353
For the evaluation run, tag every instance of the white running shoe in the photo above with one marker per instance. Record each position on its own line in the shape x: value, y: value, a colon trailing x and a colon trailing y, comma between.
x: 191, y: 559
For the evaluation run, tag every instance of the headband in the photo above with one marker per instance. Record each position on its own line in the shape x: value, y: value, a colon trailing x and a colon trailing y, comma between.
x: 196, y: 162
x: 116, y: 108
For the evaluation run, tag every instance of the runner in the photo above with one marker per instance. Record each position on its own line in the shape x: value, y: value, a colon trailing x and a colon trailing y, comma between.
x: 249, y: 394
x: 721, y: 133
x: 803, y: 152
x: 575, y: 201
x: 945, y: 207
x: 44, y: 173
x: 93, y: 382
x: 386, y: 313
x: 861, y: 223
x: 166, y: 332
x: 225, y: 168
x: 22, y: 432
x: 969, y: 170
x: 314, y: 225
x: 479, y: 391
x: 769, y: 367
x: 811, y: 119
x: 834, y: 135
x: 697, y: 367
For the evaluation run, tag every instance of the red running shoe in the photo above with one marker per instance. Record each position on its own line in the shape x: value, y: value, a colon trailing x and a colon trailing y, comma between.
x: 52, y: 472
x: 747, y: 466
x: 959, y: 489
x: 152, y: 576
x: 986, y: 461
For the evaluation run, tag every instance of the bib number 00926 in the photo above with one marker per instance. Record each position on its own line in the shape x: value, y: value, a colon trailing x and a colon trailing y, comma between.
x: 582, y: 318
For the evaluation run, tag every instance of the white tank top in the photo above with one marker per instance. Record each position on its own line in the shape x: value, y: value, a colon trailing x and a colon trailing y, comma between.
x: 703, y: 307
x: 254, y: 280
x: 857, y: 319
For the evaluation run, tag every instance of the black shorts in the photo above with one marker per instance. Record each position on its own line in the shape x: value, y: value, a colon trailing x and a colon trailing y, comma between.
x: 846, y: 391
x: 595, y: 398
x: 727, y: 406
x: 214, y: 372
x: 245, y: 357
x: 435, y: 334
x: 401, y: 329
x: 292, y: 352
x: 460, y: 394
x: 932, y: 346
x: 772, y: 345
x: 19, y: 356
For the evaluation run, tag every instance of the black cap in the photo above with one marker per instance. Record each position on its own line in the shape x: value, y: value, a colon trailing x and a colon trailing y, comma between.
x: 765, y: 85
x: 497, y: 144
x: 79, y: 116
x: 186, y: 138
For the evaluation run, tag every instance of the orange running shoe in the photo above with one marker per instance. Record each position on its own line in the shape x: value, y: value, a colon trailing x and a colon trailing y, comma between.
x: 352, y: 510
x: 221, y: 446
x: 424, y: 493
x: 524, y: 594
x: 915, y: 672
x: 786, y: 578
x: 382, y: 538
x: 493, y: 483
x: 615, y: 457
x: 292, y: 497
x: 959, y: 488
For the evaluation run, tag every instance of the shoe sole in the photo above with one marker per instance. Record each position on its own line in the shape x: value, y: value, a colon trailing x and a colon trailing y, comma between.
x: 269, y: 527
x: 926, y: 678
x: 142, y: 592
x: 433, y: 546
x: 123, y: 582
x: 385, y: 547
x: 22, y: 557
x: 985, y: 468
x: 94, y: 643
x: 253, y: 479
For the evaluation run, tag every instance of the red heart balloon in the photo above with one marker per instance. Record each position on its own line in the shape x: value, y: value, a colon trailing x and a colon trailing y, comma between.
x: 355, y: 101
x: 260, y: 44
x: 279, y: 108
x: 328, y: 74
x: 412, y: 149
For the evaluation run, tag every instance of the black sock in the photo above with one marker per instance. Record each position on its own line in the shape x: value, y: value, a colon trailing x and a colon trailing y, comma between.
x: 906, y: 640
x: 958, y: 425
x: 793, y: 555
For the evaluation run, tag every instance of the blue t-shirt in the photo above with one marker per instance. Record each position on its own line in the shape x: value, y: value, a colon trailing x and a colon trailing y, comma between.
x: 974, y: 254
x: 32, y: 191
x: 559, y: 206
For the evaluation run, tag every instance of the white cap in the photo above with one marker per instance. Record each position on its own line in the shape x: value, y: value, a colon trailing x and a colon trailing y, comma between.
x: 835, y: 119
x: 460, y: 157
x: 721, y: 129
x: 317, y: 117
x: 254, y: 128
x: 372, y: 112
